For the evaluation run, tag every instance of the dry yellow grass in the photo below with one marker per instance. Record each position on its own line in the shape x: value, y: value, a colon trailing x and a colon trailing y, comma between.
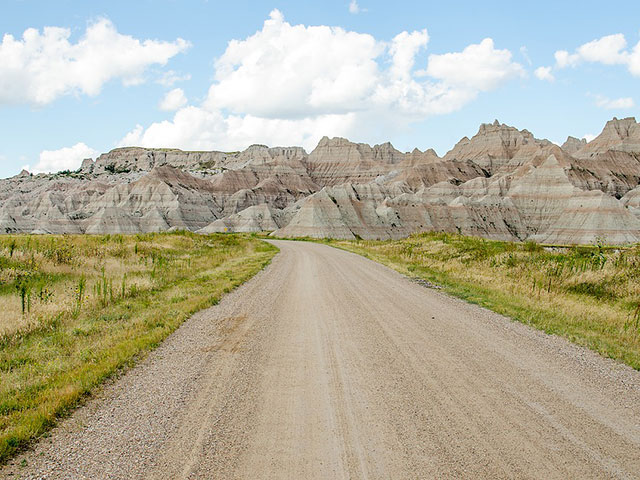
x: 93, y: 304
x: 54, y: 265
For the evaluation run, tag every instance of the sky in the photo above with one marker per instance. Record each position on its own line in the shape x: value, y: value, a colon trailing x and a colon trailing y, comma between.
x: 80, y: 78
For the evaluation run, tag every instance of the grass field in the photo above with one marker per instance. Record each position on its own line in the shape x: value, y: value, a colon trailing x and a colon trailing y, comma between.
x: 588, y: 294
x: 76, y: 309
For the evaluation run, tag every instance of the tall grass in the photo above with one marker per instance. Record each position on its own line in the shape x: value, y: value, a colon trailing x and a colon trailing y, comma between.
x: 588, y: 294
x: 64, y: 328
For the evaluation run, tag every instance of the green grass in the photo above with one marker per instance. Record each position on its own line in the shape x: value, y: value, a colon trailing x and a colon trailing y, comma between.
x: 587, y: 294
x: 113, y: 298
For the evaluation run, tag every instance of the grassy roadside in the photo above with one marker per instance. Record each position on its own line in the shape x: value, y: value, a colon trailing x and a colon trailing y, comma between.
x: 77, y: 309
x: 587, y: 294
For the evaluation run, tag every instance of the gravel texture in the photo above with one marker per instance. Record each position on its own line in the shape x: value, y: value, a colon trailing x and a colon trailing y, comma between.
x: 328, y: 365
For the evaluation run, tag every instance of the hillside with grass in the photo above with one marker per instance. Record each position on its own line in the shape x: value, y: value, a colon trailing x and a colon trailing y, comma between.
x: 76, y: 309
x: 588, y: 294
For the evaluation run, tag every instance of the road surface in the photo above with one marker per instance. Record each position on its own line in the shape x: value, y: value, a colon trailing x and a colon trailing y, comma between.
x: 329, y: 366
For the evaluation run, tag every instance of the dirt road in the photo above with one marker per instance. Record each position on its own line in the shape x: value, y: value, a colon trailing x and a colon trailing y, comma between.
x: 327, y: 365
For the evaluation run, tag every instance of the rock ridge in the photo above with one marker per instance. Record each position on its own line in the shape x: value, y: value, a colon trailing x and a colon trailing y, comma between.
x: 502, y: 183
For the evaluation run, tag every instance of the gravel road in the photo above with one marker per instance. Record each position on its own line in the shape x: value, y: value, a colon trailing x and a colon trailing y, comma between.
x: 326, y: 366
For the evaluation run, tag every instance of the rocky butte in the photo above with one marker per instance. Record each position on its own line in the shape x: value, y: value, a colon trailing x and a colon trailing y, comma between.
x: 503, y: 183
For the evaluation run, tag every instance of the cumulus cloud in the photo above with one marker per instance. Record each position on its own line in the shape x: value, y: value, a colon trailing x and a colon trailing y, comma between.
x: 616, y: 103
x: 67, y: 158
x: 201, y: 129
x: 403, y: 50
x: 354, y: 7
x: 292, y: 84
x: 173, y: 100
x: 478, y: 67
x: 293, y: 71
x: 589, y: 136
x: 607, y: 50
x: 544, y: 73
x: 44, y: 65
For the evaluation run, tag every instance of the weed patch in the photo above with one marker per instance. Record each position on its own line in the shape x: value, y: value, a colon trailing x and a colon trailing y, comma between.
x: 76, y: 309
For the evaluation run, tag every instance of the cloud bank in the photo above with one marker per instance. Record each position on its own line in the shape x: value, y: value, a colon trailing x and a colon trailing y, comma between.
x: 292, y: 84
x: 607, y: 50
x: 67, y: 158
x: 43, y: 66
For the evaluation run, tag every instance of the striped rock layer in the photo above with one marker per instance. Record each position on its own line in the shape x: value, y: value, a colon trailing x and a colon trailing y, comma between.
x: 503, y: 183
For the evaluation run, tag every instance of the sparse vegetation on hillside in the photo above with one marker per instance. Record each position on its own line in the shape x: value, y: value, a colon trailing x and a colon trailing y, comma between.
x: 112, y: 168
x: 588, y: 294
x: 76, y: 309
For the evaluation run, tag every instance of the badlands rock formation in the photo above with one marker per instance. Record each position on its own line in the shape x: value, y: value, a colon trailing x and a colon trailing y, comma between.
x: 503, y: 183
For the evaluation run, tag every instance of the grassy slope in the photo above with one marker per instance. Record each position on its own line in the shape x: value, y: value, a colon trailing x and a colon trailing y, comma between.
x: 49, y: 365
x: 590, y: 295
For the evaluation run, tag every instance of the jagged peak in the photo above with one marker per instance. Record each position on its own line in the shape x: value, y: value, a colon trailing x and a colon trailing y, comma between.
x: 496, y: 126
x: 573, y: 144
x: 416, y: 152
x: 431, y: 151
x: 386, y: 145
x: 622, y: 121
x: 333, y: 142
x: 86, y: 163
x: 344, y: 142
x: 620, y: 127
x: 617, y: 134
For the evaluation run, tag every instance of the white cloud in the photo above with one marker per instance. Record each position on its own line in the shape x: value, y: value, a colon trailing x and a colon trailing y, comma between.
x: 403, y: 50
x: 288, y: 70
x: 525, y: 53
x: 173, y: 100
x: 42, y: 66
x: 67, y: 158
x: 292, y: 84
x: 200, y: 129
x: 589, y: 136
x: 354, y: 7
x: 563, y: 59
x: 617, y: 103
x: 607, y: 50
x: 544, y: 73
x: 478, y: 67
x: 171, y: 77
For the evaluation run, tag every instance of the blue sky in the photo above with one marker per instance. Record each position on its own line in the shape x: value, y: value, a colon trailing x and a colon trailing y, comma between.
x: 283, y: 80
